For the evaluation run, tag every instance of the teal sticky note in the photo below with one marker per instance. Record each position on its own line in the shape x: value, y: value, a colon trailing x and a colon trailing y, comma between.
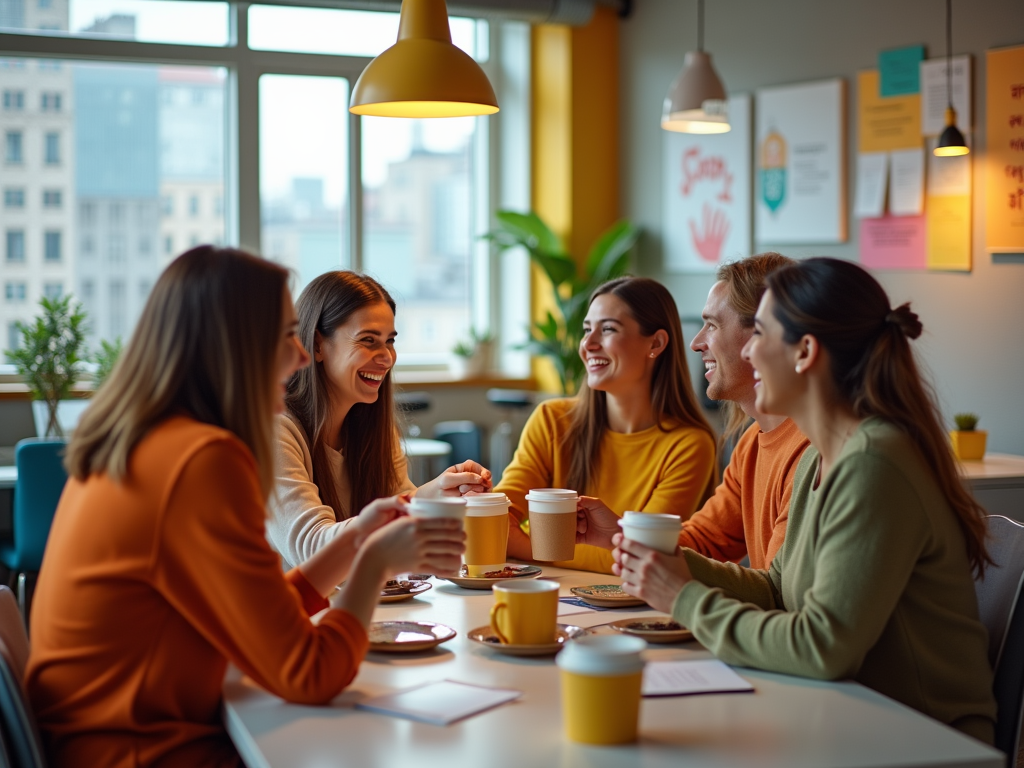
x: 900, y: 71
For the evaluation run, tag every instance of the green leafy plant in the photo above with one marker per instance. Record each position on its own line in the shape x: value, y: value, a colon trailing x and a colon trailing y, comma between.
x: 966, y: 422
x: 49, y: 354
x: 106, y: 359
x: 558, y: 338
x: 468, y: 348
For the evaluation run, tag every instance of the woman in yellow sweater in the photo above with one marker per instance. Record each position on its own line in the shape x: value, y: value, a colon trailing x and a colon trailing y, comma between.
x: 634, y: 435
x: 157, y: 571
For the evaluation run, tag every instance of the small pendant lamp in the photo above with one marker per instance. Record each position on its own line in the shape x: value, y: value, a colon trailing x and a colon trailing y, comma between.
x: 423, y: 74
x: 951, y: 141
x: 696, y: 102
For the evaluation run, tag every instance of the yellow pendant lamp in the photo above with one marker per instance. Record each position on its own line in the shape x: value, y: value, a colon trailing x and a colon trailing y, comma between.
x: 423, y: 74
x: 951, y: 142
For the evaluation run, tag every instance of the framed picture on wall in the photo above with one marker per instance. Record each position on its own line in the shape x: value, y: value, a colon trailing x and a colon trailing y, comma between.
x: 707, y: 194
x: 800, y: 151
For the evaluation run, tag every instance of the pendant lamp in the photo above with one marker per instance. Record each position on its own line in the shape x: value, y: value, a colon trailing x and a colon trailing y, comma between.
x: 951, y: 141
x: 423, y: 74
x: 696, y: 102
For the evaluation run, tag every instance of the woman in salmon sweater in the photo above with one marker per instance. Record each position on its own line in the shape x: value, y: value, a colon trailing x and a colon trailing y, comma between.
x: 634, y: 435
x: 158, y: 573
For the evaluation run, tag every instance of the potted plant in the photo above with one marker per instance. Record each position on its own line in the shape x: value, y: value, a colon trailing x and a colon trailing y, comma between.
x: 48, y: 356
x: 558, y: 337
x: 968, y: 442
x: 105, y: 359
x: 472, y: 356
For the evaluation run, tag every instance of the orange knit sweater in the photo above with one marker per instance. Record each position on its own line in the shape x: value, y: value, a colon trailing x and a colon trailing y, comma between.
x: 149, y: 587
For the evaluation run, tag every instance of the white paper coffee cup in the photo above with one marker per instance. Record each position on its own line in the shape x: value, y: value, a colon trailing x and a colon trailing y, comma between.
x: 451, y: 508
x: 660, y: 532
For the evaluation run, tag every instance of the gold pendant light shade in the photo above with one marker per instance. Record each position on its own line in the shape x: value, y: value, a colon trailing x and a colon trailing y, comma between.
x: 423, y: 74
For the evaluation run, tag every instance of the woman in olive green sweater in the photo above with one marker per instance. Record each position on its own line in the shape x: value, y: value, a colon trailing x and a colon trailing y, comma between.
x: 874, y: 580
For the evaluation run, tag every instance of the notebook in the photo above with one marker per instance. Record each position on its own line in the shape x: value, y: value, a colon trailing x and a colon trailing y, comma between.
x: 439, y: 703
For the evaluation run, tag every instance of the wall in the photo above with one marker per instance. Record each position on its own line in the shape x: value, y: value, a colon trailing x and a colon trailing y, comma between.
x: 973, y: 321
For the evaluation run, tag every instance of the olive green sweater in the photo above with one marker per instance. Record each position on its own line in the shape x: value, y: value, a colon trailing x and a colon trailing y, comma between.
x: 872, y: 583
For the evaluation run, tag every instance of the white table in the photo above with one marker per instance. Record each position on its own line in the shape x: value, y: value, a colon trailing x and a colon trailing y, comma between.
x: 421, y: 451
x: 8, y: 476
x: 787, y: 722
x: 997, y: 481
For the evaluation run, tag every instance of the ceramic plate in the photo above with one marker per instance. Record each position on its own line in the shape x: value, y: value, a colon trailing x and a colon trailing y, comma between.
x: 407, y: 636
x: 486, y: 637
x: 653, y: 630
x: 606, y: 596
x: 485, y: 582
x: 397, y: 590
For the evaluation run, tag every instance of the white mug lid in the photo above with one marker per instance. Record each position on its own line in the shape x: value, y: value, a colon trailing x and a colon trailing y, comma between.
x: 603, y: 655
x: 650, y: 520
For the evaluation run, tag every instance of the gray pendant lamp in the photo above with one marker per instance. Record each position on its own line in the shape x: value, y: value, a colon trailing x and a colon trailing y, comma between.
x: 696, y: 102
x: 951, y: 141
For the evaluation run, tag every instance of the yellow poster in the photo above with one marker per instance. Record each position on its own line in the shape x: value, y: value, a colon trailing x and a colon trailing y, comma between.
x: 1004, y: 168
x: 948, y: 209
x: 886, y: 123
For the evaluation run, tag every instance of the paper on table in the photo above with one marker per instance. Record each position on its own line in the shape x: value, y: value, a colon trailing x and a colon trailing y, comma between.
x: 567, y: 609
x: 906, y: 193
x: 440, y: 703
x: 679, y: 678
x: 871, y: 176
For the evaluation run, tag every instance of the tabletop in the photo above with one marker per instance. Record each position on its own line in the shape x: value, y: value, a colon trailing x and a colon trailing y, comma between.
x: 786, y: 722
x: 8, y: 477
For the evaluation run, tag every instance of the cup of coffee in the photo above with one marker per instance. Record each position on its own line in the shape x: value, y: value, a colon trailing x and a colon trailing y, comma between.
x: 452, y: 508
x: 660, y: 532
x: 486, y: 532
x: 552, y: 523
x: 525, y: 612
x: 601, y: 679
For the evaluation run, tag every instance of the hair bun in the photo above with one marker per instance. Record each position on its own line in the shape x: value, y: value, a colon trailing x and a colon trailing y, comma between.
x: 906, y: 320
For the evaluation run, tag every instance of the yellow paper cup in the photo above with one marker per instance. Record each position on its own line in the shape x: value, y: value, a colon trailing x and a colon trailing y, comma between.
x: 486, y: 532
x: 525, y: 612
x: 601, y: 682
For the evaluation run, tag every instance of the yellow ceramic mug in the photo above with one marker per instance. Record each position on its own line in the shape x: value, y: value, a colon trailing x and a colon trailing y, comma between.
x: 602, y: 677
x: 525, y: 612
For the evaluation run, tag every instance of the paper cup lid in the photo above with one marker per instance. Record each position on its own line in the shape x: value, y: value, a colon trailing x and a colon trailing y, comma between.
x: 653, y: 521
x: 603, y: 655
x: 551, y: 494
x: 485, y: 499
x: 442, y: 506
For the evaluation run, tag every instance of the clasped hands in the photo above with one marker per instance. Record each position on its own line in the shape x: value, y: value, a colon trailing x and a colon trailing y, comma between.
x: 458, y: 480
x: 654, y: 577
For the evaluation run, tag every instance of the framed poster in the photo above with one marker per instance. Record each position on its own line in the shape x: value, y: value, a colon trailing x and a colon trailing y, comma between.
x: 800, y: 191
x: 707, y: 194
x: 1004, y: 169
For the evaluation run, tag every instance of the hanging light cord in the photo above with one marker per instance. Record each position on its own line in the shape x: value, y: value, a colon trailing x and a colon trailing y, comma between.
x: 700, y: 25
x: 949, y: 52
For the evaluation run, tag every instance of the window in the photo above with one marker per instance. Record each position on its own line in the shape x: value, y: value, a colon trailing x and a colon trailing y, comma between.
x: 116, y: 248
x: 44, y: 4
x: 52, y: 198
x: 51, y: 155
x: 87, y: 213
x: 116, y: 316
x: 51, y: 246
x: 168, y: 245
x: 88, y: 247
x: 14, y: 100
x: 145, y: 246
x: 13, y: 336
x: 15, y: 246
x: 12, y: 147
x: 50, y: 101
x: 167, y: 205
x: 14, y: 291
x: 14, y: 197
x: 53, y: 291
x: 193, y: 205
x: 88, y: 290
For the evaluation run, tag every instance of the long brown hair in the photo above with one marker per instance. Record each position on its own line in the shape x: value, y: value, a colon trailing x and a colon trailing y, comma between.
x: 205, y: 346
x: 368, y: 434
x: 672, y: 398
x: 873, y: 367
x: 745, y: 280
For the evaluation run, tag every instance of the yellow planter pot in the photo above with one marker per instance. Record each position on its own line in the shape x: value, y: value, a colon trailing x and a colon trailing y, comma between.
x: 969, y: 446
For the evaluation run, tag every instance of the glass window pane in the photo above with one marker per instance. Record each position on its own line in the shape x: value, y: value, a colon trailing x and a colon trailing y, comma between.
x: 85, y: 200
x: 343, y: 32
x: 151, y: 21
x: 303, y: 173
x: 419, y: 232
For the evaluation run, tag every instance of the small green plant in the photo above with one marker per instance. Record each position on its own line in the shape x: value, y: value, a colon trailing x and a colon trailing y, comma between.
x: 49, y: 354
x: 966, y: 422
x: 558, y: 338
x: 464, y: 349
x: 468, y: 348
x: 105, y: 359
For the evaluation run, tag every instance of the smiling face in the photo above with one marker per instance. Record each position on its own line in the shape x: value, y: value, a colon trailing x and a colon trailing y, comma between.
x: 290, y: 354
x: 618, y: 357
x: 358, y: 355
x: 720, y: 343
x: 777, y: 384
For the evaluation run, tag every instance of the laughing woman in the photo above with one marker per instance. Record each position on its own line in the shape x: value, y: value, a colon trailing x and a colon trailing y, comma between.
x: 634, y: 435
x: 338, y: 444
x: 874, y: 579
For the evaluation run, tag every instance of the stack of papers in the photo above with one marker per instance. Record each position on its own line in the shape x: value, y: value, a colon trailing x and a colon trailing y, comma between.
x: 681, y: 678
x: 440, y: 703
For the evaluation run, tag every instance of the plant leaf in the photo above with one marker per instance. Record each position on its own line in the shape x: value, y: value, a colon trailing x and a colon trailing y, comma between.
x: 609, y: 257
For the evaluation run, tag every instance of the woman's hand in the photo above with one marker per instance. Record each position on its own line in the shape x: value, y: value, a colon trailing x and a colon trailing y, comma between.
x: 379, y: 513
x: 467, y: 477
x: 596, y: 524
x: 418, y: 545
x: 654, y: 577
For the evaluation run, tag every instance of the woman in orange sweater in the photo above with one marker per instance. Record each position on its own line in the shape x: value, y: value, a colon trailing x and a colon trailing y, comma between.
x: 158, y: 573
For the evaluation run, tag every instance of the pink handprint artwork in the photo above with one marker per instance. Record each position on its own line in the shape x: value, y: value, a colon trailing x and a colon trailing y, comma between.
x: 715, y: 225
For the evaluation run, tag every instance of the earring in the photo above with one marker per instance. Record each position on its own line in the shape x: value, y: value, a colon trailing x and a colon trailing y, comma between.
x: 798, y: 369
x: 652, y: 354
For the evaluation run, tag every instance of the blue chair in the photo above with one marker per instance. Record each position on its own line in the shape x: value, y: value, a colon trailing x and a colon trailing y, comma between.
x: 20, y: 746
x: 1001, y: 606
x: 41, y: 479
